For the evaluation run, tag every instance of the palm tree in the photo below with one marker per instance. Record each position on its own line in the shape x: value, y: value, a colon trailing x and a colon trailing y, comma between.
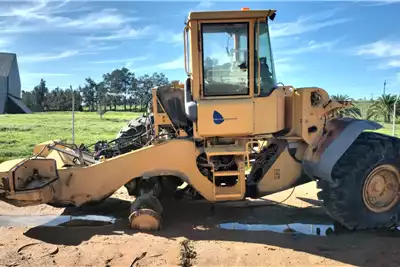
x: 382, y: 107
x: 352, y: 112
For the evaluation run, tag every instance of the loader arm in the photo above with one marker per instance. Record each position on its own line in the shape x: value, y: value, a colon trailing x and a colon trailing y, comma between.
x: 78, y: 185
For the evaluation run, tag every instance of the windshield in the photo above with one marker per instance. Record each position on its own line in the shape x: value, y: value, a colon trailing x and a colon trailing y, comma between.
x: 264, y: 60
x: 225, y: 59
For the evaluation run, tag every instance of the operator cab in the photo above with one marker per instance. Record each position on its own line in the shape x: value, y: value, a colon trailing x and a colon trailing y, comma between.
x: 231, y: 86
x: 226, y: 58
x: 230, y: 90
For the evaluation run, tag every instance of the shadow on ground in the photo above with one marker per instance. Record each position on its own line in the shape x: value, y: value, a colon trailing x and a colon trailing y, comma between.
x: 201, y: 222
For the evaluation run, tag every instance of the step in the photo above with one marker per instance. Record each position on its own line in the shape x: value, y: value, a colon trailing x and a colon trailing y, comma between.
x: 228, y: 193
x: 226, y: 173
x: 225, y: 150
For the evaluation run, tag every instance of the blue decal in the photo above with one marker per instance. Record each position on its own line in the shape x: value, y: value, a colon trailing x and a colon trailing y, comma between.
x: 217, y: 117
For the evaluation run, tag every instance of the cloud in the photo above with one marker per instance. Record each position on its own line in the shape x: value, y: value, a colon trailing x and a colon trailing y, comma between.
x: 47, y: 57
x: 170, y: 37
x: 94, y: 48
x: 285, y: 66
x: 124, y: 60
x: 46, y: 16
x: 125, y: 33
x: 40, y: 74
x: 377, y: 3
x: 394, y: 63
x: 106, y: 18
x: 305, y: 24
x: 388, y: 51
x: 311, y: 46
x: 204, y: 5
x: 4, y: 42
x: 171, y: 65
x: 381, y: 48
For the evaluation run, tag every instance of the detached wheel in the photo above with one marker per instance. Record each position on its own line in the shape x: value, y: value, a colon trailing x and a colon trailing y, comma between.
x: 145, y: 220
x: 364, y: 193
x: 146, y: 213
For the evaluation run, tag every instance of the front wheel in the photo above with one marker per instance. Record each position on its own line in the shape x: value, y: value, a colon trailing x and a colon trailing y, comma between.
x: 364, y: 192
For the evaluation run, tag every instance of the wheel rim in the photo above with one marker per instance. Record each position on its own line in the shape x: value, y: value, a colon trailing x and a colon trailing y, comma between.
x: 381, y: 188
x: 145, y: 219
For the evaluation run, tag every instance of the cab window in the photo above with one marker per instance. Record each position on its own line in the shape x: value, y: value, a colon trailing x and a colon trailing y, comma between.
x: 263, y: 62
x: 225, y: 57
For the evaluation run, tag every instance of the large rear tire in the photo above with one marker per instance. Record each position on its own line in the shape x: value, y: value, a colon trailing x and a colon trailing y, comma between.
x: 133, y: 127
x: 368, y: 170
x: 132, y: 130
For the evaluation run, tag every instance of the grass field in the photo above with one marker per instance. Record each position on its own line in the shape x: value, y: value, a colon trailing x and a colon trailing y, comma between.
x: 19, y: 133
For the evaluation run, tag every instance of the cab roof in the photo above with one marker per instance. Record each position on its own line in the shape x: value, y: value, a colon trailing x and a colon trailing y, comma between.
x: 232, y: 14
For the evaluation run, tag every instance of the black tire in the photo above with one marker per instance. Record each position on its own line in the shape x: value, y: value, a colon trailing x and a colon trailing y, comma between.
x: 133, y: 128
x: 343, y: 198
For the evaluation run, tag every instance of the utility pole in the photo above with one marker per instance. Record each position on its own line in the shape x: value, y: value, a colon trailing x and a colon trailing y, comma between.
x: 384, y: 87
x: 73, y: 115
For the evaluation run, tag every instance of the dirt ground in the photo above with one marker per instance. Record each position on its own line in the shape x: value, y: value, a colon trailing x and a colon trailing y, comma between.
x: 195, y: 234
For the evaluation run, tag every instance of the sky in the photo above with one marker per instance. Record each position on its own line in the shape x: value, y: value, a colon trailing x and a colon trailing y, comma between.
x: 344, y: 47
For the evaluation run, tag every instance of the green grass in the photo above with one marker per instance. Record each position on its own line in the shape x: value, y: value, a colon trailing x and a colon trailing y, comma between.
x: 387, y: 129
x: 363, y: 106
x: 20, y: 133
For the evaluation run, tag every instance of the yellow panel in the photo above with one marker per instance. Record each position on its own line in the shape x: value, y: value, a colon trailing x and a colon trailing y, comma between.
x: 237, y: 117
x: 270, y: 113
x: 222, y: 14
x: 283, y: 174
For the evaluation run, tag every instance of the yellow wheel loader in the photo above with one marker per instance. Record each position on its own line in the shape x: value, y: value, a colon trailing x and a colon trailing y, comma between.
x: 229, y: 132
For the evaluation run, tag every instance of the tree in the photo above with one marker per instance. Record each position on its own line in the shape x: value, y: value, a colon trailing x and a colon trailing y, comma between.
x: 56, y: 99
x: 133, y: 92
x: 101, y: 92
x: 352, y: 112
x: 120, y: 84
x: 88, y: 94
x: 67, y: 100
x: 28, y: 98
x: 382, y: 107
x: 145, y: 84
x: 40, y: 92
x: 126, y: 78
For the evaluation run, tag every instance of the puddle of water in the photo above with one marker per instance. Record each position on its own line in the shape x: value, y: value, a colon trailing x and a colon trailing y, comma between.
x: 294, y: 228
x: 54, y: 220
x: 308, y: 229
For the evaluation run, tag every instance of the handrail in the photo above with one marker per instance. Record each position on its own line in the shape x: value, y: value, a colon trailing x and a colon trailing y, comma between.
x: 185, y: 30
x: 258, y: 59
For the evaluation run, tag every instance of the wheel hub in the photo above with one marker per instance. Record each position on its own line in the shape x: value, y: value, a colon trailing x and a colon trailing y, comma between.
x: 381, y: 188
x: 145, y: 219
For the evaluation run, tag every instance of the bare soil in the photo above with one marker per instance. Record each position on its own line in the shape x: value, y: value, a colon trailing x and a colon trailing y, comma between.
x: 193, y: 236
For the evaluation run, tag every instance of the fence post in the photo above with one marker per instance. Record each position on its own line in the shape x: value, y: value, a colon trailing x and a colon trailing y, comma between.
x: 73, y: 115
x: 394, y: 116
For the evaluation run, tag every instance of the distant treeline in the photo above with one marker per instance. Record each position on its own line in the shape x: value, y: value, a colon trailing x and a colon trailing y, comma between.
x: 120, y: 88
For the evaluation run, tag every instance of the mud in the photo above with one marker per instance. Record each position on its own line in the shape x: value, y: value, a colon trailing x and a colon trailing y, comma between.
x: 253, y: 233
